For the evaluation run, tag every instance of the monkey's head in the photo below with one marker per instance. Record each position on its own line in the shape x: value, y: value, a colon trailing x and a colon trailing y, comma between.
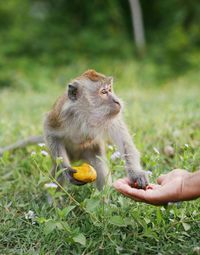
x: 92, y: 94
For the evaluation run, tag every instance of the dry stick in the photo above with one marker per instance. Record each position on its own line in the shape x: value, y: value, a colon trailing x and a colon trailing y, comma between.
x: 22, y: 143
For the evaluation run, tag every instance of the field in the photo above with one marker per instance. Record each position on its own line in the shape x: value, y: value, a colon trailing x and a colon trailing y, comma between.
x: 88, y: 221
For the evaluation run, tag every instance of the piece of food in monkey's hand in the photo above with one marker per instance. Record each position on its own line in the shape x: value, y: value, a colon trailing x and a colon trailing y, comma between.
x: 136, y: 186
x: 149, y: 187
x: 85, y: 173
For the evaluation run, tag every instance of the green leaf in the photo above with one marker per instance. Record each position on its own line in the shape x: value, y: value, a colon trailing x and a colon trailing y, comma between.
x: 92, y: 204
x: 186, y: 226
x: 41, y: 220
x: 49, y: 227
x: 63, y: 213
x: 121, y: 201
x: 118, y: 221
x: 59, y: 225
x: 80, y: 238
x: 147, y: 220
x: 55, y: 193
x: 65, y: 226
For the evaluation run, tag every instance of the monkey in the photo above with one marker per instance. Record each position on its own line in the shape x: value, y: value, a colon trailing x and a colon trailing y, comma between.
x: 80, y: 123
x: 78, y: 126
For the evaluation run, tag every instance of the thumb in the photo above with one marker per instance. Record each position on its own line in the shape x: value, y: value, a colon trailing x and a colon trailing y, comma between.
x: 72, y: 171
x: 161, y: 178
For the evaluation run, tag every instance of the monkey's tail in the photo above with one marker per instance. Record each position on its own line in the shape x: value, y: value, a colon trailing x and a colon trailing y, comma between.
x: 22, y: 143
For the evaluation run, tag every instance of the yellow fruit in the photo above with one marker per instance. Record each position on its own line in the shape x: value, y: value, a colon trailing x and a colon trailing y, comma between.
x: 85, y: 173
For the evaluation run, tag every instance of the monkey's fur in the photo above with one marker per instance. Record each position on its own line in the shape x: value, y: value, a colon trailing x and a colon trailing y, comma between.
x: 81, y: 121
x: 22, y: 143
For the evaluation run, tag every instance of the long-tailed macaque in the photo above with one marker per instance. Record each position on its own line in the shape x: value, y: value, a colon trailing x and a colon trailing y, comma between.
x: 80, y: 122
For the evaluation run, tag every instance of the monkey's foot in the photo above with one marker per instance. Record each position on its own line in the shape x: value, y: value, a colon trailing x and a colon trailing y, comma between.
x: 139, y: 180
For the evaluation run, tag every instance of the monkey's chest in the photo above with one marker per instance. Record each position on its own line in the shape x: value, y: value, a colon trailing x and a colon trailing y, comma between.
x: 76, y: 148
x: 80, y: 139
x: 80, y: 142
x: 86, y: 143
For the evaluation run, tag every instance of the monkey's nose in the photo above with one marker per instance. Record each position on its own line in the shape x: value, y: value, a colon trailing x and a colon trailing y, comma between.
x: 116, y: 102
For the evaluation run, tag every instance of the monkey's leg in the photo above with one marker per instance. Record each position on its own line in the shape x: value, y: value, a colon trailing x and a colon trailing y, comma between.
x: 121, y: 137
x: 57, y: 149
x: 96, y: 157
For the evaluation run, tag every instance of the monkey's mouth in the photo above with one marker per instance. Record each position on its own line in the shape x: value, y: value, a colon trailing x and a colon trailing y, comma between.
x: 117, y: 107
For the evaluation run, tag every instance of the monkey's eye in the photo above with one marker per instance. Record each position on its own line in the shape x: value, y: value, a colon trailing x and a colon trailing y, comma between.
x: 104, y: 91
x: 110, y: 90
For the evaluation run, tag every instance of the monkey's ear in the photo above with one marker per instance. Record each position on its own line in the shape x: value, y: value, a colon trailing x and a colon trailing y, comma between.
x: 73, y: 91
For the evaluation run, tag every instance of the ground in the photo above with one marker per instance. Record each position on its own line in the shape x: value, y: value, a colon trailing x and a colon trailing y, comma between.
x: 89, y: 222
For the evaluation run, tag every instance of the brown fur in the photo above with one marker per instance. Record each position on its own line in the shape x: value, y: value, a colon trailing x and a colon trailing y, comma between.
x: 54, y: 114
x: 93, y: 75
x: 86, y: 144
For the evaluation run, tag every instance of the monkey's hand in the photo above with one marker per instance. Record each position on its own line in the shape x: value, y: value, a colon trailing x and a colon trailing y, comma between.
x: 138, y: 179
x: 69, y: 175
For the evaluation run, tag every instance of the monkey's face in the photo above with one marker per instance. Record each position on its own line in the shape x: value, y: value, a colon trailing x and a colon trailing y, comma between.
x: 107, y: 99
x: 102, y: 101
x: 95, y: 96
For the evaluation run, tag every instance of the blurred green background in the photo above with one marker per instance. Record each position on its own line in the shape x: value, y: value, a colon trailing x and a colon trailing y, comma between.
x: 41, y: 37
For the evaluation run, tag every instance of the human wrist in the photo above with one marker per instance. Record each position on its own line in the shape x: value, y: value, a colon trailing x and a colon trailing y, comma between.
x: 190, y: 187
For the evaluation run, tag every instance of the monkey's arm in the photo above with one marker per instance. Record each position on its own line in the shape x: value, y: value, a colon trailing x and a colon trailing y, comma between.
x: 22, y: 143
x: 119, y: 134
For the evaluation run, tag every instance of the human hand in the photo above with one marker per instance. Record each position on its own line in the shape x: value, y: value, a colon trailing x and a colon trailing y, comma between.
x: 168, y: 189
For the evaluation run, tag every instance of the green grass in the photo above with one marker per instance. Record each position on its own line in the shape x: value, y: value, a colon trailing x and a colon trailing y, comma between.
x: 90, y: 222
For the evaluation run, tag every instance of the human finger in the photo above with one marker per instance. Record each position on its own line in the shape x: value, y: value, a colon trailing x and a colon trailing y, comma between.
x: 153, y: 186
x: 161, y: 178
x: 126, y: 189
